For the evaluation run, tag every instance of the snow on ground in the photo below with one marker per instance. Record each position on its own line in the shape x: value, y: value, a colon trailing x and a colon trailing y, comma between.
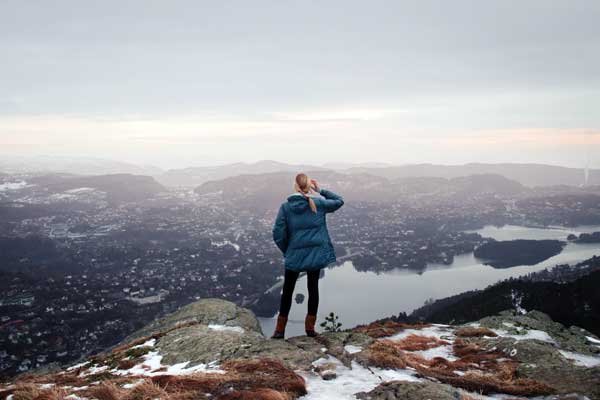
x: 148, y: 343
x: 529, y: 334
x: 351, y: 349
x: 94, y: 370
x: 592, y: 340
x: 581, y: 359
x: 349, y: 380
x: 215, y: 327
x: 152, y: 366
x: 439, y: 331
x: 517, y: 298
x: 440, y: 351
x: 83, y: 364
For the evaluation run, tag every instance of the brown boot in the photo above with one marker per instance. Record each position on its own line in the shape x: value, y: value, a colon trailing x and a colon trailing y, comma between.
x: 280, y: 327
x: 309, y: 325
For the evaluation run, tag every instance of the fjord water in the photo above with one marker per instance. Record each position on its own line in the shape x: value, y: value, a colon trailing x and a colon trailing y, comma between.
x: 361, y: 297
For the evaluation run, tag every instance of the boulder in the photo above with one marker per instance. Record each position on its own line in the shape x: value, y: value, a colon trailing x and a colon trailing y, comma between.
x: 571, y: 339
x: 543, y: 362
x: 401, y: 390
x: 205, y: 311
x: 213, y: 330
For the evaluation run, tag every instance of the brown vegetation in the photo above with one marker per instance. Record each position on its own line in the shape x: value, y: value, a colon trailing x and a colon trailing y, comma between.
x: 261, y: 379
x: 474, y: 331
x: 386, y: 328
x: 416, y: 342
x: 241, y: 375
x: 259, y: 394
x: 34, y: 392
x: 478, y: 371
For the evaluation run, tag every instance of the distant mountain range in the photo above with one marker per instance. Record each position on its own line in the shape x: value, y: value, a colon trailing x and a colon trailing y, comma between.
x: 526, y: 174
x: 266, y: 191
x: 195, y: 176
x: 119, y: 187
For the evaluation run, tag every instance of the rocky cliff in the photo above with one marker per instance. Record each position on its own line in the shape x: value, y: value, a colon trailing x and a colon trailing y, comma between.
x: 213, y: 349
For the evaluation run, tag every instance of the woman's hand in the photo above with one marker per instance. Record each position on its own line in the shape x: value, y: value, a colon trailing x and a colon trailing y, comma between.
x: 314, y: 185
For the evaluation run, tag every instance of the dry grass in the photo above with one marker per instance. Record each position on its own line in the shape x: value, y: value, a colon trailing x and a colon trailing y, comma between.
x: 146, y: 391
x: 473, y: 331
x: 387, y: 328
x: 105, y: 391
x: 484, y: 372
x: 127, y: 364
x: 242, y: 376
x: 34, y: 392
x: 261, y: 379
x: 385, y: 354
x: 461, y: 348
x: 416, y: 342
x: 259, y: 394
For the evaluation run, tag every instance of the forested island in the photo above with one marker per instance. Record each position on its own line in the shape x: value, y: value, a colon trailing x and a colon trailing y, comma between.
x: 585, y: 238
x: 510, y: 253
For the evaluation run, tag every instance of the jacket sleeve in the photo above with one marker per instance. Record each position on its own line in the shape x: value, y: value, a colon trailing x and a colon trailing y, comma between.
x: 280, y: 230
x: 332, y: 201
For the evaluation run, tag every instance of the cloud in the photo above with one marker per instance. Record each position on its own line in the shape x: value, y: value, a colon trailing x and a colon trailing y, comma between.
x: 526, y: 136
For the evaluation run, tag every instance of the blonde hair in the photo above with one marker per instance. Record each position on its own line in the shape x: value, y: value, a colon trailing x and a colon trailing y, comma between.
x: 302, y: 185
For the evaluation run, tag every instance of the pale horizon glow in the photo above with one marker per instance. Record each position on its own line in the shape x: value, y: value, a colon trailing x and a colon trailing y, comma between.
x: 197, y: 83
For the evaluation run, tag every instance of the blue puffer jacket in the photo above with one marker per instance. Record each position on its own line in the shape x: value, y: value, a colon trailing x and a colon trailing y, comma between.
x: 302, y: 235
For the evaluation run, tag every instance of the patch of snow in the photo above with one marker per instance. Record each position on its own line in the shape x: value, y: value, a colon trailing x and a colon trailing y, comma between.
x: 442, y: 332
x: 148, y: 343
x: 152, y: 363
x: 528, y: 335
x: 439, y: 331
x: 516, y: 300
x: 349, y: 380
x: 215, y: 327
x: 46, y: 385
x: 94, y: 370
x: 134, y: 384
x: 592, y: 340
x: 444, y: 351
x: 581, y: 359
x: 83, y: 364
x: 351, y: 349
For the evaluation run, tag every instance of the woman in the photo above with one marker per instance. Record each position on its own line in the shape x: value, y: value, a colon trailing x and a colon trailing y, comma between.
x: 300, y: 232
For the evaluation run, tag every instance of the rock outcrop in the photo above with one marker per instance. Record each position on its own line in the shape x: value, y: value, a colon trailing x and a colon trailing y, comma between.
x: 215, y: 349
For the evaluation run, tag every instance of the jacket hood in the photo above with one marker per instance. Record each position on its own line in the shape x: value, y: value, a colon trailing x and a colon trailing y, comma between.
x: 298, y: 204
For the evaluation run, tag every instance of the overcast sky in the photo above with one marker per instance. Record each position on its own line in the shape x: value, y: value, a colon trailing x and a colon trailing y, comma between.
x: 176, y: 83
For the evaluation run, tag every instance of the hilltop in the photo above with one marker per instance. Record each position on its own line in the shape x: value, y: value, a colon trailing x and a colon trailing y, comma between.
x: 213, y: 349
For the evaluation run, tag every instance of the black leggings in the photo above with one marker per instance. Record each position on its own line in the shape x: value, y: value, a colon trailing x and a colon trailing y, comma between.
x: 289, y: 282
